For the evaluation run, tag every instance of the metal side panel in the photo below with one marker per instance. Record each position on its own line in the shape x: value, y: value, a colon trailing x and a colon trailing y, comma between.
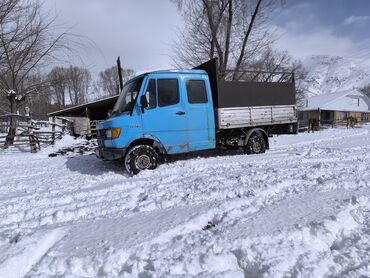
x: 237, y: 117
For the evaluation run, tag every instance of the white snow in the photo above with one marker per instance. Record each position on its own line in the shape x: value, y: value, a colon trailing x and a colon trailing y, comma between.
x: 11, y: 92
x: 350, y: 100
x: 300, y: 210
x: 18, y: 260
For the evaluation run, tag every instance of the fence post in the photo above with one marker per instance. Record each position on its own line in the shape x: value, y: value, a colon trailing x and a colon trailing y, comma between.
x: 31, y: 136
x: 53, y: 132
x: 64, y: 123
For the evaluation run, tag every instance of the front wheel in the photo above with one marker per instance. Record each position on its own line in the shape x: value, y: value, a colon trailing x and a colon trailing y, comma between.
x: 256, y: 144
x: 139, y: 158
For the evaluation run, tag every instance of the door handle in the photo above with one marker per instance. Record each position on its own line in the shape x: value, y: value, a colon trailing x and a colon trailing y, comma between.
x: 180, y: 113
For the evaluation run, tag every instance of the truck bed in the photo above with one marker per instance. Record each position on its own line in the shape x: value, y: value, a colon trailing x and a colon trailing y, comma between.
x: 237, y: 117
x: 248, y: 103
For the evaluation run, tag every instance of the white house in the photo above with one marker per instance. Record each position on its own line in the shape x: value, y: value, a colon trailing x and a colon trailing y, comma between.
x: 336, y: 108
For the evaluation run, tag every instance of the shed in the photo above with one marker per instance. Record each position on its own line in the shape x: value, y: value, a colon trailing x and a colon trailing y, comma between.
x: 85, y: 116
x: 95, y: 110
x: 336, y: 108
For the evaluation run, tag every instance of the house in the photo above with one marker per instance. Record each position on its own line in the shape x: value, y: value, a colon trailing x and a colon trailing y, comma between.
x: 336, y: 108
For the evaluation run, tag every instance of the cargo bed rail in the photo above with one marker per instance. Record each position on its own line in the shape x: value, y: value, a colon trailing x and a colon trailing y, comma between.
x: 240, y: 117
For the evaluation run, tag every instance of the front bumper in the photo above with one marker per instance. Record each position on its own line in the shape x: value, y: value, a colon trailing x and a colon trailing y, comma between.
x: 110, y: 154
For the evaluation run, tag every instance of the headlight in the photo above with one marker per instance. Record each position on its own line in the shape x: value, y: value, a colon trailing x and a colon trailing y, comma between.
x: 113, y: 133
x: 108, y: 133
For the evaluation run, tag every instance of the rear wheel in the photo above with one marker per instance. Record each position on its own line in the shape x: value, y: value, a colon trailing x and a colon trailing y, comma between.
x: 256, y: 144
x: 139, y: 158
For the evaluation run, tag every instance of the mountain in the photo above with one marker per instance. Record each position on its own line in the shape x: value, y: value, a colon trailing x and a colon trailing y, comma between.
x: 328, y: 74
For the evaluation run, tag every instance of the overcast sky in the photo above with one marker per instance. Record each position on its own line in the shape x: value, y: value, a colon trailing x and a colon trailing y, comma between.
x: 142, y: 31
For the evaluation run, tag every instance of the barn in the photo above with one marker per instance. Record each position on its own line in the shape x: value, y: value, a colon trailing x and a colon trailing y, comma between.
x: 336, y: 108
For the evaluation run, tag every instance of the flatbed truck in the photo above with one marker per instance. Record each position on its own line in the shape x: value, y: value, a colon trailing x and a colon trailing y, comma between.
x: 181, y: 111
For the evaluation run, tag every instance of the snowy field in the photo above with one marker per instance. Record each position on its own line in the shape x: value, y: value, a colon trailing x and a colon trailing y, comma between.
x: 300, y: 210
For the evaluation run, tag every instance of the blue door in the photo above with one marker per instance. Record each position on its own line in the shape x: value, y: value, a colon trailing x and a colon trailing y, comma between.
x: 165, y: 117
x: 200, y: 113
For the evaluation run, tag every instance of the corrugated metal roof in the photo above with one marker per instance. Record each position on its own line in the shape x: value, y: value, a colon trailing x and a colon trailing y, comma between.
x: 79, y: 110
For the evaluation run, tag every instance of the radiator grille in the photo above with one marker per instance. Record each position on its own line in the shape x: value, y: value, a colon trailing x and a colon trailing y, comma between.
x: 101, y: 136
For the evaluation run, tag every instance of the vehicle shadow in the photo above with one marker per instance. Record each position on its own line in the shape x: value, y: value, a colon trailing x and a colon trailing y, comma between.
x: 93, y: 166
x: 89, y: 164
x: 201, y: 154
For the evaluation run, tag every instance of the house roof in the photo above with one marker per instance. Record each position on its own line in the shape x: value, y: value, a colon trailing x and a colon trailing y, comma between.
x: 99, y: 108
x: 332, y: 101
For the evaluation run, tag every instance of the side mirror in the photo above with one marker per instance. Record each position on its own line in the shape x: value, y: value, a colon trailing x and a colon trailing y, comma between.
x: 144, y: 103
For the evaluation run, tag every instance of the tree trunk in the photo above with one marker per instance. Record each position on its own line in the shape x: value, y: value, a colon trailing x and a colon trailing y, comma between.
x: 13, y: 122
x: 223, y: 67
x: 246, y: 37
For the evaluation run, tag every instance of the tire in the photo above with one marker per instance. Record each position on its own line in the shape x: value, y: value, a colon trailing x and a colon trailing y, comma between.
x: 256, y: 144
x: 140, y: 158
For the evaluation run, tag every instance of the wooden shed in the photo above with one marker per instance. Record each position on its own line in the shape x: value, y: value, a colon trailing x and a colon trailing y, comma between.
x: 85, y: 116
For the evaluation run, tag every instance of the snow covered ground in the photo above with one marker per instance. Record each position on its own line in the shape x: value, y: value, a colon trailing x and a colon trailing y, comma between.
x: 300, y: 210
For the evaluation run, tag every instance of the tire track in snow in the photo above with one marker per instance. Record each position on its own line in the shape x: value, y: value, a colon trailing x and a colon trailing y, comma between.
x: 91, y: 200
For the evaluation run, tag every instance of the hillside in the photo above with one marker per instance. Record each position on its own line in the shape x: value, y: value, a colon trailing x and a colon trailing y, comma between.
x: 328, y: 74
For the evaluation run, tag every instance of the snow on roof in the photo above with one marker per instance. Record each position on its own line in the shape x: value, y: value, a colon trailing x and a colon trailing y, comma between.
x: 83, y: 106
x: 333, y: 101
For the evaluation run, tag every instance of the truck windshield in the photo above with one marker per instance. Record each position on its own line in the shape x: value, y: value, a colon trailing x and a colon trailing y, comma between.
x: 127, y: 98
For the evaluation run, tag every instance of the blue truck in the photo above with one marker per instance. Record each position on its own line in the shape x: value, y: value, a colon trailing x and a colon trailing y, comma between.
x: 181, y: 111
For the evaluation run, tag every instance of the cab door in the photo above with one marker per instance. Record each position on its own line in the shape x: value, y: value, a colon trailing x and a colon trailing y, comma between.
x: 165, y: 116
x: 200, y: 113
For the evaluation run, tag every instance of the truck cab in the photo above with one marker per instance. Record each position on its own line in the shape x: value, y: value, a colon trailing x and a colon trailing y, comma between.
x: 164, y: 112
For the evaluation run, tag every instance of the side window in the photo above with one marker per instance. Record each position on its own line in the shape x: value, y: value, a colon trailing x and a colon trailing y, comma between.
x: 196, y: 90
x: 151, y: 94
x: 168, y: 92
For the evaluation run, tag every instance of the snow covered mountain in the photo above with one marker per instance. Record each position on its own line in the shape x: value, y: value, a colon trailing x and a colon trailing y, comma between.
x: 328, y: 74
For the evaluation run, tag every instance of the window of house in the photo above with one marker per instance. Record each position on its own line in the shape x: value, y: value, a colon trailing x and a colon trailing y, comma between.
x: 364, y: 116
x: 168, y: 92
x: 196, y: 91
x: 344, y: 115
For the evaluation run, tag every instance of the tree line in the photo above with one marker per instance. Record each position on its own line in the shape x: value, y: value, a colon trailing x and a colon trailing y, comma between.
x: 62, y: 87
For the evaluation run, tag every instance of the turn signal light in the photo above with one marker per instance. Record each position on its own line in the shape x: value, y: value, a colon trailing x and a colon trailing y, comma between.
x: 116, y: 132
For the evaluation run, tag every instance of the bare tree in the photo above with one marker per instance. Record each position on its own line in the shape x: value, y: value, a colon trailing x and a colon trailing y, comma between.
x: 108, y: 82
x: 279, y: 66
x: 57, y: 78
x: 235, y: 31
x: 238, y: 33
x: 27, y: 42
x: 41, y: 102
x: 8, y: 8
x: 366, y: 90
x: 78, y: 84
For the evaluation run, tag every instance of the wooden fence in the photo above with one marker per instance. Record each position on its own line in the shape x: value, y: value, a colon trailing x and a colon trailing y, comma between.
x: 31, y: 133
x: 315, y: 125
